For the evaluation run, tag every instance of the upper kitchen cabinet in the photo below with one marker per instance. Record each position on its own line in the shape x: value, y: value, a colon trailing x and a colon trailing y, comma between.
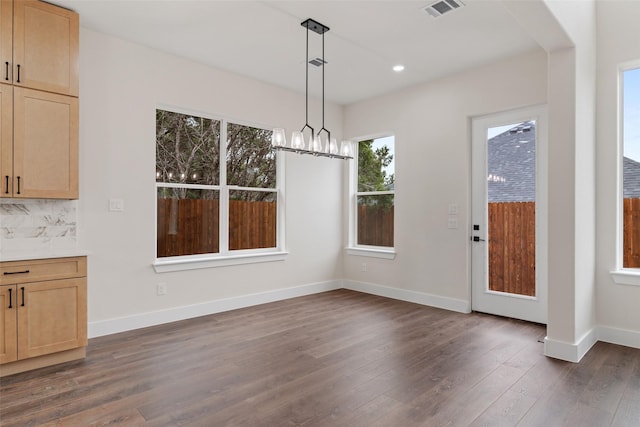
x: 43, y: 52
x: 6, y: 140
x: 45, y: 145
x: 6, y: 39
x: 38, y: 100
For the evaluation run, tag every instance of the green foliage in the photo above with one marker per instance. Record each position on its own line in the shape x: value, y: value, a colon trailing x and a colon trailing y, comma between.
x: 372, y: 175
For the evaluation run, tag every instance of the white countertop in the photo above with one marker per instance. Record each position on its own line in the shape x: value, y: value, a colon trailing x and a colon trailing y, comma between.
x: 41, y: 254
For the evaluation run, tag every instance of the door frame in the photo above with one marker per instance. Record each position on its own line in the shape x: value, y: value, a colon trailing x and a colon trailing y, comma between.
x: 517, y: 307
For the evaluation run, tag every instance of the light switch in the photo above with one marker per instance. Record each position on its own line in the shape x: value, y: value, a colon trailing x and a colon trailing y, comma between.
x: 452, y: 222
x: 453, y: 209
x: 116, y: 205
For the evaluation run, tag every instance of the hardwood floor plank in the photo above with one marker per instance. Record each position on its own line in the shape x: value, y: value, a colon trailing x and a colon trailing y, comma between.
x: 541, y: 376
x: 338, y: 358
x: 465, y: 406
x: 628, y: 411
x: 557, y: 405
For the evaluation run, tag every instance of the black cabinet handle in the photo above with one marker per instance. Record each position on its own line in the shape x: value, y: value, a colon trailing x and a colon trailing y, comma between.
x: 6, y: 273
x: 10, y: 298
x: 22, y: 289
x: 18, y: 73
x: 7, y: 184
x: 18, y: 185
x: 6, y: 70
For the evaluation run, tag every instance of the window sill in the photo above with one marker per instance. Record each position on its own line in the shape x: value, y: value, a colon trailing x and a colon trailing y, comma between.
x: 170, y: 264
x: 372, y: 252
x: 626, y: 277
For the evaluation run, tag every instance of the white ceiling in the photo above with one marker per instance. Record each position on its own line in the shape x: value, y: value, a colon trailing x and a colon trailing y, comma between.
x: 264, y: 39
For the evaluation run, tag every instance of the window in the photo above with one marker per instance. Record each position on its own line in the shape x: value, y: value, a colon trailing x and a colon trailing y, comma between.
x: 374, y: 195
x: 631, y: 167
x: 214, y: 199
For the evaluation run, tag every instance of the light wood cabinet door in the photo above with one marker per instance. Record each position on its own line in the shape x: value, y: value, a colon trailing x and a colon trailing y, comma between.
x: 53, y: 317
x: 8, y: 337
x: 45, y: 47
x: 6, y: 40
x: 6, y: 140
x: 45, y: 145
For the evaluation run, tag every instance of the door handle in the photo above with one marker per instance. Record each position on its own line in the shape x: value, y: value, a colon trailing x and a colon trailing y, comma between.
x: 10, y: 298
x: 477, y: 239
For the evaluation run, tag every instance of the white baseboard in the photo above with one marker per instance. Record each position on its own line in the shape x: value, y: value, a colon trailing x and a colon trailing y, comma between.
x: 571, y: 352
x: 446, y: 303
x: 619, y: 336
x: 143, y: 320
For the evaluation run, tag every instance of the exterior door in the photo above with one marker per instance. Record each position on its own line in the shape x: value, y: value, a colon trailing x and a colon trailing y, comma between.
x: 509, y: 211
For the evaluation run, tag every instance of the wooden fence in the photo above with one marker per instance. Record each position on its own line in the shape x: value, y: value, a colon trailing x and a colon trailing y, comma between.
x: 512, y: 249
x: 375, y: 225
x: 631, y: 233
x: 190, y: 226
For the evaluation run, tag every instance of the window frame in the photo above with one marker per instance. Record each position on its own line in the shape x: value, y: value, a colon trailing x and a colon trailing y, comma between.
x: 622, y: 275
x: 224, y: 257
x: 353, y: 248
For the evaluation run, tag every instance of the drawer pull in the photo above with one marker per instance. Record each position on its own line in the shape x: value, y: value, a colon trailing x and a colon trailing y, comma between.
x: 7, y: 184
x: 10, y: 298
x: 22, y: 289
x: 18, y: 185
x: 6, y: 273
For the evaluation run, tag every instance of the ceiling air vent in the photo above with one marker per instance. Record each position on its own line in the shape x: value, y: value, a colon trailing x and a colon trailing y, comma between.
x: 441, y: 7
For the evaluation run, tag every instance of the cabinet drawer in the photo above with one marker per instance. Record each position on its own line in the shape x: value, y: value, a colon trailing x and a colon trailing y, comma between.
x: 14, y: 272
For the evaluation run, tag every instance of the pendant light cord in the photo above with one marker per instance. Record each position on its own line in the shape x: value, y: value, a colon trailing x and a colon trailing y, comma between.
x: 306, y: 91
x: 323, y: 128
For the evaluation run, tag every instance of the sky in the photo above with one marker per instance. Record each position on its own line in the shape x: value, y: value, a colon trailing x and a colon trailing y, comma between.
x: 491, y: 132
x: 631, y: 105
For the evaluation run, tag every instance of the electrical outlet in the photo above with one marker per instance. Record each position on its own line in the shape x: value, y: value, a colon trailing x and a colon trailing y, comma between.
x: 161, y: 289
x: 363, y: 267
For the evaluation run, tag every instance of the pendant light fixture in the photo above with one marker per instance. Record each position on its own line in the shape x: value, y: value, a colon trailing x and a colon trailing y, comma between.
x: 315, y: 143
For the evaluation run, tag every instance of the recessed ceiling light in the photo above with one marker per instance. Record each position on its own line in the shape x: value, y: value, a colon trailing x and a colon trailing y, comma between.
x: 398, y: 68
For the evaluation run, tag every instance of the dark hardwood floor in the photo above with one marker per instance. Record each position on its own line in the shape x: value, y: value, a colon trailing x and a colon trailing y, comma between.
x: 339, y: 358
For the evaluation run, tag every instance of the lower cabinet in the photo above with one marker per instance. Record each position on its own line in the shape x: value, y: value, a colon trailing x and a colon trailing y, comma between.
x: 43, y: 319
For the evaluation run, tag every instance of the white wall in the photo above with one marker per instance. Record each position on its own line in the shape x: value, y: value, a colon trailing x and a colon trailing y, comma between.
x: 431, y: 124
x: 618, y: 31
x: 121, y: 84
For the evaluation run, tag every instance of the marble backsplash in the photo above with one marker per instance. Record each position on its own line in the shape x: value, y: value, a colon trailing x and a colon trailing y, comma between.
x: 37, y: 225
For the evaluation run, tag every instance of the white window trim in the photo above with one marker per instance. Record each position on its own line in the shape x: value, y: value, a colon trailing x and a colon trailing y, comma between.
x: 353, y: 248
x: 626, y: 276
x: 621, y: 275
x: 194, y: 262
x: 226, y: 257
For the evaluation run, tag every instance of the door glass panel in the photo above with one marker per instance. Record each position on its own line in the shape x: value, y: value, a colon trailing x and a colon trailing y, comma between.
x: 511, y: 200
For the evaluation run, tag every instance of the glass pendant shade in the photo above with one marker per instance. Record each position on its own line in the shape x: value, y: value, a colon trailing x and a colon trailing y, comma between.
x: 278, y: 138
x: 333, y: 146
x: 345, y: 148
x: 297, y: 140
x: 317, y: 144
